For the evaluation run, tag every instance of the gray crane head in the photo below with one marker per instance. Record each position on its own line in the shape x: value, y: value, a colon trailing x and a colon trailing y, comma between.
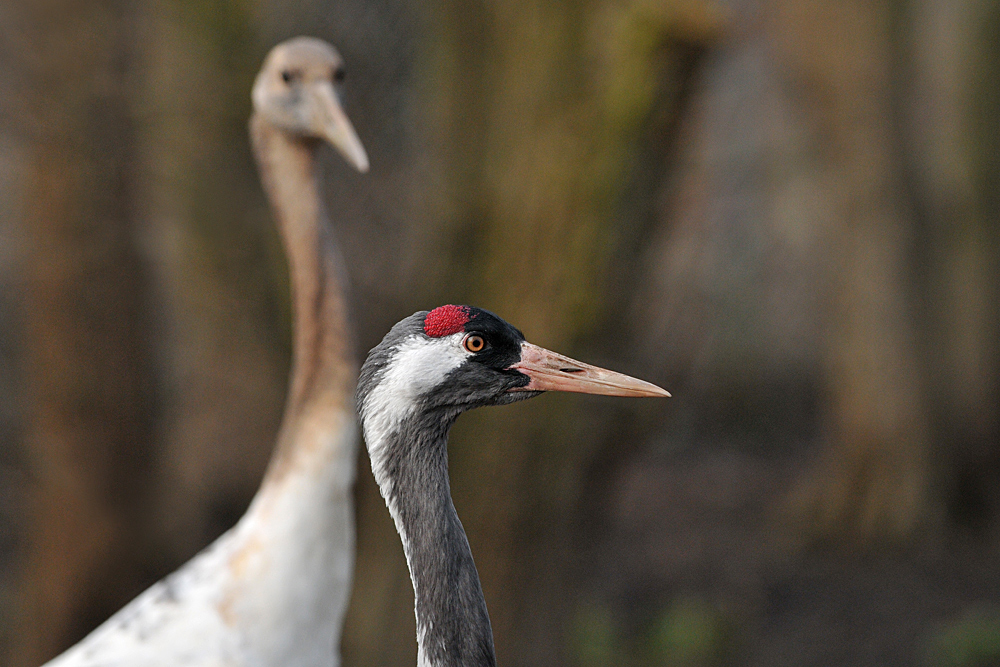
x: 455, y: 358
x: 298, y: 91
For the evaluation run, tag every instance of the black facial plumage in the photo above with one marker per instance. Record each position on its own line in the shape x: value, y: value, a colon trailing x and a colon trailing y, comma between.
x: 503, y: 340
x: 485, y: 378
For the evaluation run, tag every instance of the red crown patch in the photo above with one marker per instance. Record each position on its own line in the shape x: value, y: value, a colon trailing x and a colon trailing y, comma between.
x: 446, y: 320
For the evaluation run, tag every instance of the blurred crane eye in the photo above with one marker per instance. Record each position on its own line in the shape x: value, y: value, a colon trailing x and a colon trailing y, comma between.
x: 287, y: 76
x: 339, y: 75
x: 474, y: 343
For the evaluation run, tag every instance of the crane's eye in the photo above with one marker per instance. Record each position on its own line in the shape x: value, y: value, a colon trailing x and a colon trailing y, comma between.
x: 287, y: 75
x: 474, y: 343
x: 339, y: 75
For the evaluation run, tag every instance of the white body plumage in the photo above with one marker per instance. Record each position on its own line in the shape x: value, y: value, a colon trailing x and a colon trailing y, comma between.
x: 231, y: 605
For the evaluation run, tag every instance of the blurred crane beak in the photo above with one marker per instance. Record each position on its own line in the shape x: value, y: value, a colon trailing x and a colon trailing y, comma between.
x: 554, y: 372
x: 335, y: 127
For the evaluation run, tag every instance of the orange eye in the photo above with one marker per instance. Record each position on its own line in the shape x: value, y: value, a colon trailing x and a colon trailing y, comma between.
x: 474, y: 343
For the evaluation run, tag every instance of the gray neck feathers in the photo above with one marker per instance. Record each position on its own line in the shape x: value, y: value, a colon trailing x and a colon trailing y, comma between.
x: 453, y: 626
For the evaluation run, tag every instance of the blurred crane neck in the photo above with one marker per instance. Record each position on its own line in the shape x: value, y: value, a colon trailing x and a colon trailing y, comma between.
x: 323, y: 365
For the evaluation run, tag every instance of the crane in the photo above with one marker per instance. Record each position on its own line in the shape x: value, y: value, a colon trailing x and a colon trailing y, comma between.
x: 272, y: 591
x: 430, y: 368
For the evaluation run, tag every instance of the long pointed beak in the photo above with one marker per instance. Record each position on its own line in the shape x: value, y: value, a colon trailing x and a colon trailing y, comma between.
x: 554, y: 372
x: 335, y: 127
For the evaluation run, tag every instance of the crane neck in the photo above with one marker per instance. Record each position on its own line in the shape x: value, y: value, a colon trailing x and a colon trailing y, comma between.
x: 453, y: 625
x: 323, y: 366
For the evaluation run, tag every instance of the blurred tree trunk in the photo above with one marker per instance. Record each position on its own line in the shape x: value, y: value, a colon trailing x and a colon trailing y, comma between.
x: 979, y: 354
x: 89, y: 416
x: 912, y: 342
x: 543, y: 107
x: 831, y: 161
x: 874, y: 479
x: 946, y: 132
x: 12, y: 170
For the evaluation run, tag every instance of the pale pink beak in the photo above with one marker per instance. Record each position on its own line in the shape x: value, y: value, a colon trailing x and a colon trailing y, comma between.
x: 554, y: 372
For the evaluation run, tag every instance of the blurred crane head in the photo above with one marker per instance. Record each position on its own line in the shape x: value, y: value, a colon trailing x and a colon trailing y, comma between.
x: 298, y: 91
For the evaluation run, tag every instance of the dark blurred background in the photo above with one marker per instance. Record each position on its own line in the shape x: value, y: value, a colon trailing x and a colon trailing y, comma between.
x: 787, y: 212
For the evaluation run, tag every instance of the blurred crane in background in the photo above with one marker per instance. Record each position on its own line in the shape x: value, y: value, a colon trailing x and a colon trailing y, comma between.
x: 274, y: 589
